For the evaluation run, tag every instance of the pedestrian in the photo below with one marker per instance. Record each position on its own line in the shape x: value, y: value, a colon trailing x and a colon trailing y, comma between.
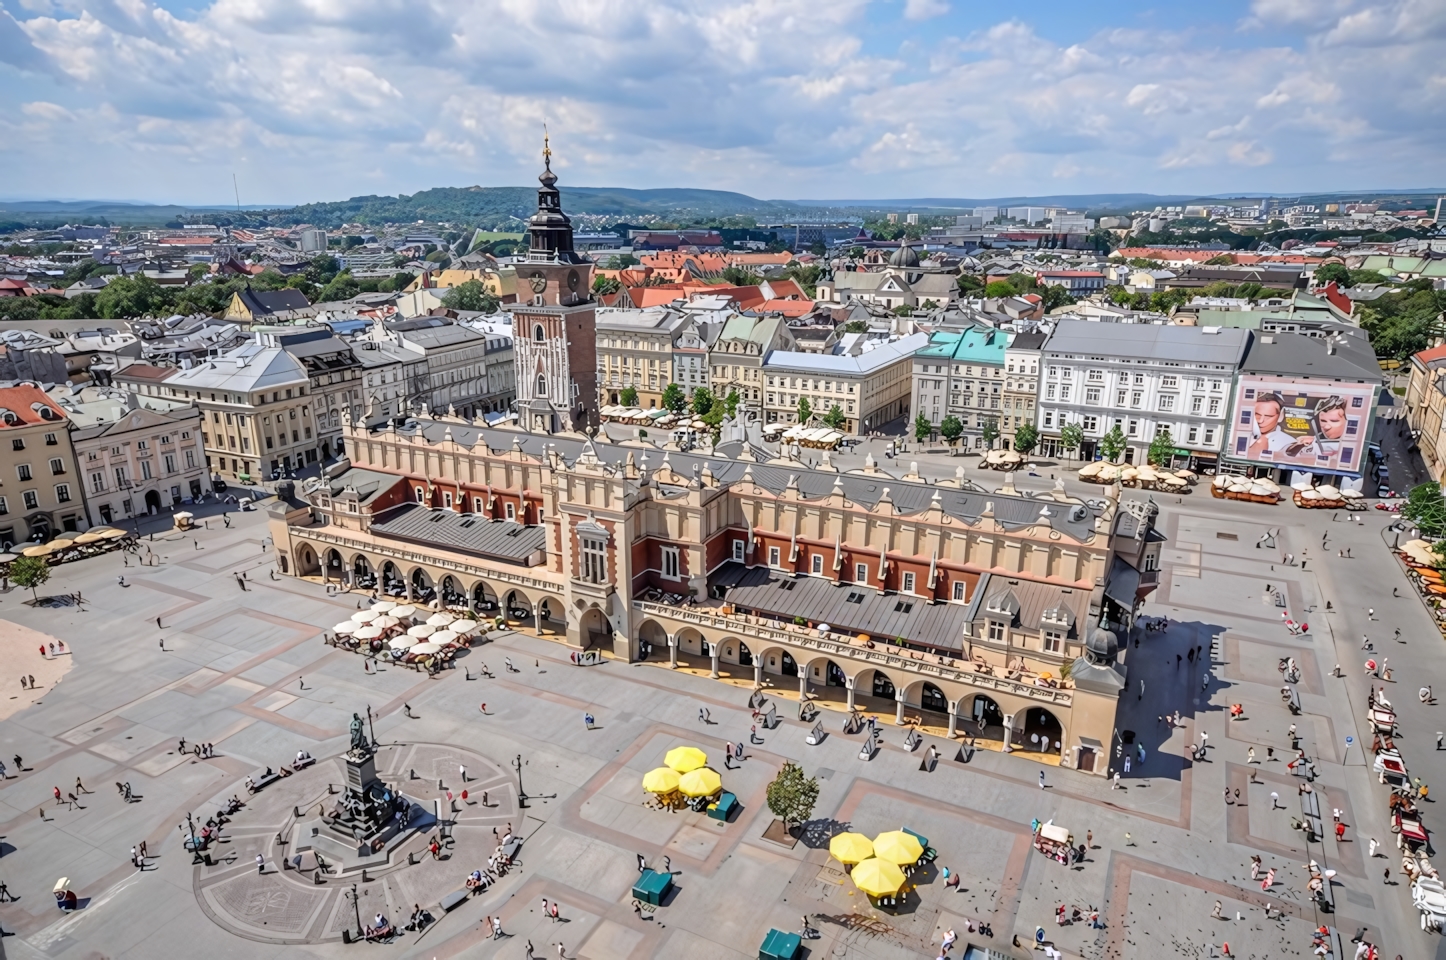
x: 642, y: 863
x: 728, y: 755
x: 587, y: 720
x: 563, y: 954
x: 1127, y: 765
x: 80, y: 787
x: 1374, y: 845
x: 1115, y: 784
x: 1250, y: 756
x: 1216, y: 912
x: 1254, y: 868
x: 162, y: 643
x: 1142, y: 691
x: 462, y: 771
x: 135, y: 858
x: 1205, y: 682
x: 1041, y: 779
x: 1340, y: 832
x: 1227, y: 794
x: 753, y: 734
x: 260, y: 863
x: 1274, y: 800
x: 1336, y: 814
x: 1090, y: 839
x: 555, y: 917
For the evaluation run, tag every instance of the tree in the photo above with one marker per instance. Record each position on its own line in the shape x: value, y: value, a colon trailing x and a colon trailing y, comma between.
x: 1327, y: 272
x: 621, y: 261
x: 628, y: 397
x: 674, y: 398
x: 740, y: 277
x: 951, y: 428
x: 29, y: 572
x: 730, y: 404
x: 342, y: 287
x: 605, y: 285
x: 1112, y: 444
x: 1056, y: 296
x: 134, y: 296
x: 471, y: 295
x: 856, y: 326
x: 968, y: 283
x: 999, y: 288
x: 1425, y: 508
x: 990, y: 432
x: 922, y: 428
x: 791, y: 795
x: 835, y: 417
x: 805, y: 410
x: 703, y: 401
x: 1071, y: 437
x: 1026, y: 438
x: 1162, y: 448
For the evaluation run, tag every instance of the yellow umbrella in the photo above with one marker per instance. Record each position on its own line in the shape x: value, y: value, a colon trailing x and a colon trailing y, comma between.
x: 898, y: 847
x: 661, y: 780
x: 850, y: 848
x: 700, y: 783
x: 38, y: 550
x: 114, y: 534
x: 90, y: 536
x: 685, y: 759
x: 878, y: 878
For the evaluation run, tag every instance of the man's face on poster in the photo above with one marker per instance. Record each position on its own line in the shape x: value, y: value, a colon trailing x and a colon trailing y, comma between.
x: 1332, y: 423
x: 1267, y: 415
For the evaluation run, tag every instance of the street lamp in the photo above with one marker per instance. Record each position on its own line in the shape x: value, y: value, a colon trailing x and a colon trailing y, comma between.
x: 521, y: 793
x: 356, y: 907
x: 195, y: 849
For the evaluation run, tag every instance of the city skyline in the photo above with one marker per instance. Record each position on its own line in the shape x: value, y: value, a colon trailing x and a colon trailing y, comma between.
x: 882, y: 100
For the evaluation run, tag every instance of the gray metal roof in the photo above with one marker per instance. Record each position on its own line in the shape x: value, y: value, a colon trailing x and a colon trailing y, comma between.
x: 1149, y: 341
x: 907, y: 497
x: 1299, y: 355
x: 846, y: 607
x: 367, y: 483
x: 494, y: 539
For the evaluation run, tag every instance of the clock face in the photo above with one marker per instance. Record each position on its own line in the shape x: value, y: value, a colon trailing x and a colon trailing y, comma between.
x: 572, y: 279
x: 539, y: 283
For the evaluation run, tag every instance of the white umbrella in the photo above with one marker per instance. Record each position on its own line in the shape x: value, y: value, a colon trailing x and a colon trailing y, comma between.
x: 402, y: 643
x: 421, y: 630
x: 385, y: 622
x: 425, y: 648
x: 463, y: 626
x: 365, y: 616
x: 345, y: 627
x: 383, y: 606
x: 404, y: 611
x: 443, y: 637
x: 368, y: 633
x: 440, y: 619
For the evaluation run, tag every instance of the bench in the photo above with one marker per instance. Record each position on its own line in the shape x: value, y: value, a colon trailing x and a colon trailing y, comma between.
x: 510, y: 848
x: 453, y: 900
x: 303, y: 764
x: 262, y: 780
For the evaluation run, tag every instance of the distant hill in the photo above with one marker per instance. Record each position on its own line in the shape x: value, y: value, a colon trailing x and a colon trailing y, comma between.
x: 47, y: 212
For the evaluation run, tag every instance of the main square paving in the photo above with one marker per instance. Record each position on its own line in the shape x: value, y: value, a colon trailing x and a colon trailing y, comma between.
x: 247, y: 671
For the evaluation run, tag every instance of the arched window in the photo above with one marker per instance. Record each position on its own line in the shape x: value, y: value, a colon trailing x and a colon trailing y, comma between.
x: 541, y: 386
x: 538, y: 334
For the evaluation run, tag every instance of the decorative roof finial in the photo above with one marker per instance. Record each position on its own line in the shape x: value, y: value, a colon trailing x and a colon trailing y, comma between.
x: 546, y: 150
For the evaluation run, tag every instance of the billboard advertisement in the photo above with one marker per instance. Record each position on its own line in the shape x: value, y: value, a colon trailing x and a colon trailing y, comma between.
x: 1301, y: 424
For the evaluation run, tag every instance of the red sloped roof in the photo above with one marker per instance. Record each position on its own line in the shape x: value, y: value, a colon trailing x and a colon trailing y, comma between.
x: 1432, y: 355
x: 22, y: 400
x: 789, y: 308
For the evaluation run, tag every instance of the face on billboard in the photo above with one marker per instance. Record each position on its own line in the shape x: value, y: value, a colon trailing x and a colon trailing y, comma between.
x: 1300, y: 423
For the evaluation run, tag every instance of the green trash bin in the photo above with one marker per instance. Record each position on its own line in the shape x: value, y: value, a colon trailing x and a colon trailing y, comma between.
x: 779, y: 946
x: 652, y: 887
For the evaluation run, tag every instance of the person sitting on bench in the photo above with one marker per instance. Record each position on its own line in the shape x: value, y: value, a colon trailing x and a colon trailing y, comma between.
x: 379, y: 929
x: 474, y: 880
x: 302, y: 757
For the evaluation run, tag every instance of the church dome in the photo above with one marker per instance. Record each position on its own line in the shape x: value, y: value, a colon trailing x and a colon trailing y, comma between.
x: 904, y: 256
x: 1101, y: 647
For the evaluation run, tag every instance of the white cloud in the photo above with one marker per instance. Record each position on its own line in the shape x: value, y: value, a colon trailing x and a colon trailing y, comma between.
x: 313, y: 99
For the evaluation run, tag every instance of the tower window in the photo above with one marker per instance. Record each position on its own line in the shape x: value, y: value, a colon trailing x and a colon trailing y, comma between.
x: 538, y: 334
x: 541, y: 386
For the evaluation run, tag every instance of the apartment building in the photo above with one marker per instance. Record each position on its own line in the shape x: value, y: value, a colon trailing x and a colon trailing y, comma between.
x: 258, y: 412
x: 1141, y: 378
x: 1021, y: 383
x: 736, y: 360
x: 138, y: 459
x: 335, y: 375
x: 960, y: 373
x: 635, y: 349
x: 464, y: 366
x: 40, y: 490
x: 870, y: 387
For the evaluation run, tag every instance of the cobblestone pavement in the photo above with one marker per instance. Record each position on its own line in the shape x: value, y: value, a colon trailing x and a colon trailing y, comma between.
x: 247, y: 672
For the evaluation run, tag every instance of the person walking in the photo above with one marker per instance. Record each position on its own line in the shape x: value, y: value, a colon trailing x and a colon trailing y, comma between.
x: 1340, y: 832
x: 1041, y: 779
x: 1216, y: 912
x: 497, y: 927
x: 260, y: 863
x: 1374, y: 845
x: 587, y: 721
x: 1250, y: 756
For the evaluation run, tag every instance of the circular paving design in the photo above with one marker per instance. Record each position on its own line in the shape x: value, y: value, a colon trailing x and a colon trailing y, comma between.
x: 291, y: 907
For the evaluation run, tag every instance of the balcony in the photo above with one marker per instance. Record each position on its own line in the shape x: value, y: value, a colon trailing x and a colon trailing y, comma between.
x: 755, y: 628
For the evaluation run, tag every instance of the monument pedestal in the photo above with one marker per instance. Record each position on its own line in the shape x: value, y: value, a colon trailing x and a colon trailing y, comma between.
x: 367, y: 823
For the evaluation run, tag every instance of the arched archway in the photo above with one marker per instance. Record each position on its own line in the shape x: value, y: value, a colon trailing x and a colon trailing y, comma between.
x: 932, y: 698
x: 422, y: 589
x: 595, y: 630
x: 554, y: 615
x: 334, y: 568
x: 362, y: 574
x: 882, y: 686
x: 392, y: 582
x: 690, y: 642
x: 652, y: 640
x: 745, y: 656
x: 451, y: 591
x: 518, y: 606
x: 484, y: 600
x: 153, y: 501
x: 1040, y: 731
x: 307, y: 563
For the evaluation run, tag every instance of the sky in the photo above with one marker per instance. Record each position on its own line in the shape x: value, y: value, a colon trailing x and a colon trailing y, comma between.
x: 781, y: 99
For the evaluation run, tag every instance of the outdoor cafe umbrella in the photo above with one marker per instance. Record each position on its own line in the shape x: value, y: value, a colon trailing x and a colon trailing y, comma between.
x: 661, y: 780
x: 402, y: 643
x: 90, y: 536
x: 898, y: 847
x: 426, y: 648
x: 114, y: 534
x: 463, y: 626
x: 367, y: 633
x: 385, y: 621
x: 421, y: 630
x: 404, y: 611
x: 365, y: 616
x: 850, y: 848
x: 878, y: 878
x: 685, y: 759
x: 700, y: 783
x: 7, y: 557
x: 440, y: 619
x: 443, y: 637
x: 384, y: 606
x: 38, y: 550
x: 345, y: 627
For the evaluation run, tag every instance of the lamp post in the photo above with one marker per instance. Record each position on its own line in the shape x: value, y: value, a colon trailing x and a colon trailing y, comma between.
x: 195, y: 850
x: 371, y: 727
x: 356, y: 907
x: 521, y: 793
